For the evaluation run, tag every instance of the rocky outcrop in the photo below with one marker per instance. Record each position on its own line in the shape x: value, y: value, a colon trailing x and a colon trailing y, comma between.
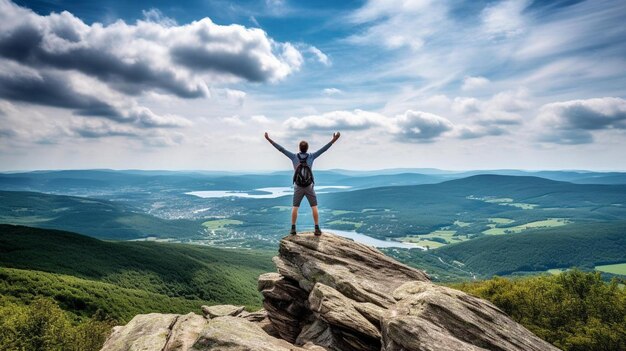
x: 170, y: 332
x: 221, y: 311
x: 333, y: 294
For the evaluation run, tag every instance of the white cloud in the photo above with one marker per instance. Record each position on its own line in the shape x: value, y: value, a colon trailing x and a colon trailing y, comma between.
x: 156, y: 16
x: 101, y: 72
x: 163, y: 139
x: 145, y: 128
x: 478, y: 131
x: 234, y: 96
x: 332, y: 91
x: 320, y: 56
x: 234, y: 120
x: 292, y: 57
x: 505, y: 18
x: 466, y: 106
x: 410, y: 126
x: 144, y: 117
x: 576, y: 29
x: 503, y: 108
x: 260, y: 119
x: 277, y: 7
x: 418, y: 126
x: 336, y: 120
x: 396, y: 24
x: 472, y: 83
x: 148, y: 55
x: 574, y: 121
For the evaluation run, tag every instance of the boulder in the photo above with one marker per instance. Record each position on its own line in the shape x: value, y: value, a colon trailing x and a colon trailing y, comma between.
x: 143, y: 332
x: 432, y: 317
x: 284, y: 302
x: 221, y: 310
x: 356, y: 270
x: 236, y: 334
x: 184, y: 332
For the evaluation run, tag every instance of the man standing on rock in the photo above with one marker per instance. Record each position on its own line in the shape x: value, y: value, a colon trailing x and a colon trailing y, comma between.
x: 303, y: 178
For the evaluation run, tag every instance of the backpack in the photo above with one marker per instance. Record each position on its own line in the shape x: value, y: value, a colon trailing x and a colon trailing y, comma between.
x: 303, y: 175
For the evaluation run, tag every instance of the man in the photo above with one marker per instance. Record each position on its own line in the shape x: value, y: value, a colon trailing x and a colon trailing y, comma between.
x: 299, y: 191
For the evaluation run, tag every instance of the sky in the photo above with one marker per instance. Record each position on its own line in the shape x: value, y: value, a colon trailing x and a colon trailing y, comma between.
x: 193, y: 85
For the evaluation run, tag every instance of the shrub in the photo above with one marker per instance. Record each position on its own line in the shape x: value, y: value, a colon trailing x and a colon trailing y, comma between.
x: 43, y: 326
x: 573, y: 310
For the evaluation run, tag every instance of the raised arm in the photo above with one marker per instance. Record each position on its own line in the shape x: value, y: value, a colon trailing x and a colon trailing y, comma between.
x: 280, y: 148
x: 327, y: 146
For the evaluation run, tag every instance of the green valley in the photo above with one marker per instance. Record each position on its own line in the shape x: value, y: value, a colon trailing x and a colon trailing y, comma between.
x: 187, y: 274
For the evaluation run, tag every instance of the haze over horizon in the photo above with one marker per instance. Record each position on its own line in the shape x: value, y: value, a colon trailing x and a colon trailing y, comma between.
x: 514, y: 84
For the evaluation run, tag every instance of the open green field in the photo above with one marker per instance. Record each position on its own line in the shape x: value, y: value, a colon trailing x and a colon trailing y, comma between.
x: 340, y: 212
x: 556, y: 271
x: 505, y: 201
x: 441, y: 238
x: 356, y: 225
x: 461, y: 224
x: 220, y: 223
x: 282, y: 208
x: 343, y: 212
x: 501, y: 220
x: 619, y: 268
x: 547, y: 223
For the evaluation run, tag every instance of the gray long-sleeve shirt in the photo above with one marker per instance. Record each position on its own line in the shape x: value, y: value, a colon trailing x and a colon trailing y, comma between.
x: 294, y: 157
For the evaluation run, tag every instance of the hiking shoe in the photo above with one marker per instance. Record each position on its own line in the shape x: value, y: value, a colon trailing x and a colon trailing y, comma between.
x: 293, y: 230
x: 318, y: 231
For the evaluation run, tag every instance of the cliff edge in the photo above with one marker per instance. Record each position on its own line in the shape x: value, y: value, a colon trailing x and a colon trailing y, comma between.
x: 330, y: 293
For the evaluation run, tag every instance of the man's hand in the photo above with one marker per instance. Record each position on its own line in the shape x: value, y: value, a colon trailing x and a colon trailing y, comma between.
x: 336, y: 136
x: 267, y: 136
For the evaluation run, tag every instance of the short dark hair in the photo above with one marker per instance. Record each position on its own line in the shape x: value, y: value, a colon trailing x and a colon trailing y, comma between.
x: 304, y: 146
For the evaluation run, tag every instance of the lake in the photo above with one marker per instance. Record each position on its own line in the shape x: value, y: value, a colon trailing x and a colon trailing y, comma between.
x: 368, y: 240
x: 262, y: 193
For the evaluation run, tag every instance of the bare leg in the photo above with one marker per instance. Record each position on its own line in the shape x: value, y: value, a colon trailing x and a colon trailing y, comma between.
x: 294, y: 215
x: 316, y: 216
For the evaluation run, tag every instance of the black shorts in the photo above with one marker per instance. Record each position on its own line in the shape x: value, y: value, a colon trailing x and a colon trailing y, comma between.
x: 299, y: 192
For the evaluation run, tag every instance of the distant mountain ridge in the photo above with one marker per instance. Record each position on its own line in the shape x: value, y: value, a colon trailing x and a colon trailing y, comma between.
x: 66, y: 181
x: 94, y: 217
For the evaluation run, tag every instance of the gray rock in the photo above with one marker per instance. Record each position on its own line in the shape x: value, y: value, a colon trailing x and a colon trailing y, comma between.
x: 221, y: 310
x: 185, y: 332
x: 237, y: 334
x: 284, y: 302
x: 432, y: 317
x: 335, y: 309
x: 143, y: 332
x: 356, y: 270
